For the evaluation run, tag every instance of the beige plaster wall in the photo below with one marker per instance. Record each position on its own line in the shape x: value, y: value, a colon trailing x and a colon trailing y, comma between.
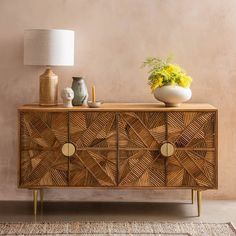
x: 113, y: 38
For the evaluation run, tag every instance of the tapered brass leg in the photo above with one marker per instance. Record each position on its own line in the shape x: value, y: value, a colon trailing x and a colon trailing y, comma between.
x: 193, y: 195
x: 35, y: 194
x: 199, y: 202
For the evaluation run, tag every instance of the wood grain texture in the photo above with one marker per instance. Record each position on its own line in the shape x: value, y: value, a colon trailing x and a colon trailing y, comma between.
x: 191, y: 129
x: 142, y: 129
x: 95, y: 136
x: 119, y: 149
x: 141, y: 168
x: 194, y: 161
x: 191, y: 168
x: 191, y: 133
x: 93, y: 168
x: 93, y: 129
x: 42, y: 136
x: 117, y: 107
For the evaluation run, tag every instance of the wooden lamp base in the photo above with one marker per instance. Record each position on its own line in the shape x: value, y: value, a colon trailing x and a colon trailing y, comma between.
x: 48, y: 89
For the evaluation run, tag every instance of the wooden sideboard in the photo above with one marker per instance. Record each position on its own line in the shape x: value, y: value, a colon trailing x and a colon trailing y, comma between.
x: 118, y: 146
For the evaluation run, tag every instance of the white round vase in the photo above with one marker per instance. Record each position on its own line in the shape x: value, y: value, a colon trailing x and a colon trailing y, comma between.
x: 172, y: 95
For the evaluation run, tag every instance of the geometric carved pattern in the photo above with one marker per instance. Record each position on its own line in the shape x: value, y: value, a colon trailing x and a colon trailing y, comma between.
x: 42, y: 136
x: 141, y: 129
x: 93, y: 129
x: 93, y: 168
x: 118, y: 149
x: 193, y: 163
x: 139, y: 134
x: 191, y: 129
x: 191, y: 168
x: 141, y: 168
x: 95, y: 136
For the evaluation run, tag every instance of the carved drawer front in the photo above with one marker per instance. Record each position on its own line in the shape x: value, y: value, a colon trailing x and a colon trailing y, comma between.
x: 93, y: 129
x: 142, y: 129
x: 93, y: 168
x: 141, y: 168
x: 194, y: 160
x: 42, y: 136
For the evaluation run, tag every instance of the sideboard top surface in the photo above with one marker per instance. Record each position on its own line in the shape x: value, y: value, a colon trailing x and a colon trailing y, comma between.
x: 121, y: 107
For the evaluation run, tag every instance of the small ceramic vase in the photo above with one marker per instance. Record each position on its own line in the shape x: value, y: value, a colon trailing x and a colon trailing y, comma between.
x: 67, y: 95
x: 80, y: 92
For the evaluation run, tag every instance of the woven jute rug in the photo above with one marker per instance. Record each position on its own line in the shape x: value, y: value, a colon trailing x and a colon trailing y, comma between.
x: 118, y: 229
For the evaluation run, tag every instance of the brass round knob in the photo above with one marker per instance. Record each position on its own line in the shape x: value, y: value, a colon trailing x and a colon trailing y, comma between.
x: 68, y: 149
x: 167, y: 149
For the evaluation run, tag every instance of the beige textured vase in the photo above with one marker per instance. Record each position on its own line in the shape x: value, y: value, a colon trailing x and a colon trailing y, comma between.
x: 172, y: 95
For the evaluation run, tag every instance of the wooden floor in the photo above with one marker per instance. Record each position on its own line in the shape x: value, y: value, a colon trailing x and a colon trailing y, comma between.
x: 213, y: 211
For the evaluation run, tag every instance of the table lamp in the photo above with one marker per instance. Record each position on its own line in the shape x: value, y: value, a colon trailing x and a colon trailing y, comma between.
x: 48, y: 47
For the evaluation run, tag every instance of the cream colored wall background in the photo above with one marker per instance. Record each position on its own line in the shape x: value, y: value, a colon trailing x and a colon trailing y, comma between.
x: 113, y: 38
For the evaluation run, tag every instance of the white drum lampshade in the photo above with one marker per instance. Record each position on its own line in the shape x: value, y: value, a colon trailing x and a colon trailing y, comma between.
x: 49, y: 47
